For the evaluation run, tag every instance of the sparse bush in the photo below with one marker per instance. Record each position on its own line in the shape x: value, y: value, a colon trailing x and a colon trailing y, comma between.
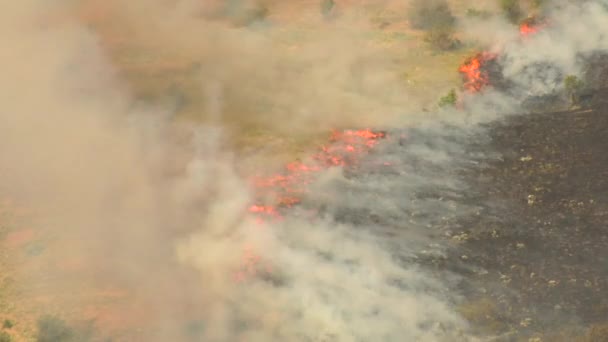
x: 512, y: 10
x: 475, y: 13
x: 326, y: 7
x: 448, y: 100
x: 256, y: 14
x: 541, y: 4
x: 53, y: 329
x: 597, y: 333
x: 7, y: 324
x: 431, y: 15
x: 441, y: 39
x: 5, y: 337
x: 245, y: 13
x: 573, y: 86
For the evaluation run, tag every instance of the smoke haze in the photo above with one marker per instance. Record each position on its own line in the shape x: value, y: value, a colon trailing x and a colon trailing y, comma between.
x: 131, y: 197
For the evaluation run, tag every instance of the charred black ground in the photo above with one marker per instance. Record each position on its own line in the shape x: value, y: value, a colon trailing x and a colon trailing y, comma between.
x: 542, y: 234
x: 521, y: 208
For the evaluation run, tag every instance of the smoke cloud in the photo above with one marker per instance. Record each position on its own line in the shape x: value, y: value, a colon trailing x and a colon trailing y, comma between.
x: 134, y: 199
x: 134, y: 202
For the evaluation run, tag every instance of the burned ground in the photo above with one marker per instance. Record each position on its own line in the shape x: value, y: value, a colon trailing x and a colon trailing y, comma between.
x: 520, y: 206
x: 544, y: 238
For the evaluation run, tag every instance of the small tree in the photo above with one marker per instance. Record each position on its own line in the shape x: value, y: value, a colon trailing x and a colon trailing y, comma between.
x: 475, y: 13
x: 573, y: 86
x: 326, y: 7
x: 5, y: 337
x: 431, y: 14
x: 7, y: 324
x: 511, y: 9
x: 53, y: 329
x: 448, y: 100
x: 441, y: 39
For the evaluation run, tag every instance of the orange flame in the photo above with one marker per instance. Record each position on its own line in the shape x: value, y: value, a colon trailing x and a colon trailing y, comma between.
x: 531, y: 26
x: 526, y: 29
x: 475, y: 78
x: 289, y: 186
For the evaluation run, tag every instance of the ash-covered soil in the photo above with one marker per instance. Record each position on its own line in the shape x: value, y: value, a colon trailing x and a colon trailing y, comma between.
x: 512, y: 215
x: 541, y: 235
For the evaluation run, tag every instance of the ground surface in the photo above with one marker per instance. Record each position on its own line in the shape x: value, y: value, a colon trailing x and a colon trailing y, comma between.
x: 535, y: 259
x: 540, y: 242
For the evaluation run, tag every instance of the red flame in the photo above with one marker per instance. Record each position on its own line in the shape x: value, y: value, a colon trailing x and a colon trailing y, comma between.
x: 531, y: 26
x: 475, y: 78
x: 526, y: 29
x: 289, y: 186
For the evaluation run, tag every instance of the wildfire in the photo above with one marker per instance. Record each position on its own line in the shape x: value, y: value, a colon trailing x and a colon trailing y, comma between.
x: 526, y: 29
x: 531, y: 26
x: 288, y: 187
x: 474, y: 71
x: 475, y: 78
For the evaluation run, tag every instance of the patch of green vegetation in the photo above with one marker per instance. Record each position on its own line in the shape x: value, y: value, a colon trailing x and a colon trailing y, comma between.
x: 195, y: 329
x: 34, y: 249
x: 431, y: 15
x: 390, y: 37
x: 242, y: 13
x: 475, y: 13
x: 327, y: 7
x: 448, y: 100
x: 435, y: 17
x: 441, y: 39
x: 382, y: 18
x: 512, y: 10
x: 542, y: 4
x: 54, y: 329
x: 483, y: 313
x: 573, y: 86
x: 7, y: 324
x: 5, y: 337
x: 597, y: 333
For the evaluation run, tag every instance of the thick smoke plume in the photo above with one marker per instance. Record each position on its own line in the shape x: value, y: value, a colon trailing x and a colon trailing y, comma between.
x: 136, y: 202
x: 536, y: 64
x: 129, y: 199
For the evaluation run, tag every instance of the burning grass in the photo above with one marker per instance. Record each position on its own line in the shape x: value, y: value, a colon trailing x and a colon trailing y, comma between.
x: 531, y: 25
x: 289, y: 186
x: 475, y: 77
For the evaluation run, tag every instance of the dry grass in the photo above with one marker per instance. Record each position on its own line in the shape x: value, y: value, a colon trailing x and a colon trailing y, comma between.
x: 158, y: 74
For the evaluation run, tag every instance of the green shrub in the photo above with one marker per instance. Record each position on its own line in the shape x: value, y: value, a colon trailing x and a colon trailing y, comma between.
x: 53, y: 329
x: 511, y: 10
x: 326, y: 7
x: 475, y: 13
x: 5, y: 337
x: 573, y: 86
x: 541, y: 4
x: 244, y: 13
x: 431, y: 15
x: 7, y: 324
x: 597, y: 333
x: 572, y: 83
x: 441, y: 39
x: 448, y: 100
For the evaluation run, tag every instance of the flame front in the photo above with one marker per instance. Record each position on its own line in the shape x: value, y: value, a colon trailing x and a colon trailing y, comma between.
x: 288, y: 187
x: 527, y: 29
x: 475, y: 78
x: 531, y: 26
